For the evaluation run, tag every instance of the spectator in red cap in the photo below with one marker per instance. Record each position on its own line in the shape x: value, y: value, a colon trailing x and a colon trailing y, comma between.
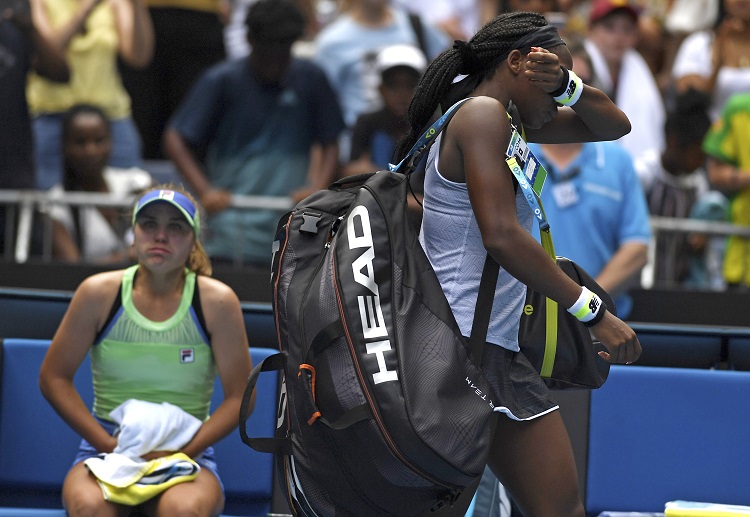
x: 625, y: 76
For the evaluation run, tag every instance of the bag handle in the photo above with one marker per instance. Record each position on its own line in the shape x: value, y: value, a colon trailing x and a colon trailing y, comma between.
x: 275, y: 362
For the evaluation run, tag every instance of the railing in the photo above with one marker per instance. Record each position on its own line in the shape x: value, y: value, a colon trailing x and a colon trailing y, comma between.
x: 661, y: 225
x: 24, y: 204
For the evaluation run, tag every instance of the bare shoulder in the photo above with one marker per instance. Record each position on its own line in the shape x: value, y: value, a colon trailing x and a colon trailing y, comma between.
x: 481, y: 117
x: 94, y: 297
x: 215, y: 294
x: 100, y: 287
x: 222, y: 310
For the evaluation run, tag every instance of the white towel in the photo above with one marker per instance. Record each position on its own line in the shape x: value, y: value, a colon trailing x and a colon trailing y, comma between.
x: 147, y: 427
x: 144, y: 427
x: 638, y: 97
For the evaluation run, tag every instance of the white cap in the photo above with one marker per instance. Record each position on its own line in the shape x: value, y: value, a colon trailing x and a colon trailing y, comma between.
x: 401, y: 55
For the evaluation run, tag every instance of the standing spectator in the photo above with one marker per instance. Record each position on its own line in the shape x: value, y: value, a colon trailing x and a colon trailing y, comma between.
x: 348, y: 47
x: 624, y: 75
x: 22, y: 48
x: 729, y: 172
x: 157, y: 332
x: 235, y: 31
x: 92, y: 234
x: 717, y: 61
x: 189, y: 38
x: 675, y: 180
x: 376, y: 133
x: 595, y: 182
x: 268, y: 125
x: 93, y: 34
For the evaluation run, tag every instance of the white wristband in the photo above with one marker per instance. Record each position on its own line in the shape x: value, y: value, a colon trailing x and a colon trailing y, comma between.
x: 573, y: 91
x: 587, y: 306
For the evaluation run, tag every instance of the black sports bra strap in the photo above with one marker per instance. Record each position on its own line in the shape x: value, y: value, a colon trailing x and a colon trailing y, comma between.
x: 198, y: 309
x: 112, y: 313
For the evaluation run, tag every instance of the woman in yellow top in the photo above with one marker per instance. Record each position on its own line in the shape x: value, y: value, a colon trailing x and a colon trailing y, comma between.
x: 93, y: 34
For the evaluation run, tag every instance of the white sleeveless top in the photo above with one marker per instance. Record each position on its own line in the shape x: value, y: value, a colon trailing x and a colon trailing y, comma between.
x: 452, y: 241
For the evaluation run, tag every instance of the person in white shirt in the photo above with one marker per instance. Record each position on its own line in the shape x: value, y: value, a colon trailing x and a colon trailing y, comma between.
x: 91, y: 234
x: 624, y: 75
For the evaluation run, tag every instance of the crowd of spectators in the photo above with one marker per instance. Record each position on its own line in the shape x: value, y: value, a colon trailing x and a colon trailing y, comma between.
x: 282, y: 112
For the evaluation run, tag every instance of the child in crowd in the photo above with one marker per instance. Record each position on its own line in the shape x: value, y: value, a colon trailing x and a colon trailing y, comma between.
x: 675, y: 180
x: 376, y: 133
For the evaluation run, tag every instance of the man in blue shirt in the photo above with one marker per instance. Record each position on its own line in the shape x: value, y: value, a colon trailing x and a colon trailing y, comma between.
x: 268, y: 125
x: 597, y: 212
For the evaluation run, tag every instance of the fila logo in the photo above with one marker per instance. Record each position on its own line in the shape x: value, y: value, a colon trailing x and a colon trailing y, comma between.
x: 187, y: 355
x: 370, y: 312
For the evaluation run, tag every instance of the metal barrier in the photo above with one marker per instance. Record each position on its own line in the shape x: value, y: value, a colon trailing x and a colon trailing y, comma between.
x: 23, y: 205
x: 662, y: 225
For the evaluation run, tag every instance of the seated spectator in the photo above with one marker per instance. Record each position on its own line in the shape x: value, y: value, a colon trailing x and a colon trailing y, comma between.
x: 92, y: 234
x: 707, y: 251
x: 93, y: 35
x: 268, y: 125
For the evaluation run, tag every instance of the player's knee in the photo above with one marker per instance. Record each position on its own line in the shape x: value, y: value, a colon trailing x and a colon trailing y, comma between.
x: 86, y: 504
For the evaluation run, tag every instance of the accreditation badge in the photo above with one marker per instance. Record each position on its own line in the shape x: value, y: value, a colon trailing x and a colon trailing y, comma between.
x: 533, y: 170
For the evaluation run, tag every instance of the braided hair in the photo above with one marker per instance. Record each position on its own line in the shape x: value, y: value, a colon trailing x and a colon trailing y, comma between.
x: 478, y: 59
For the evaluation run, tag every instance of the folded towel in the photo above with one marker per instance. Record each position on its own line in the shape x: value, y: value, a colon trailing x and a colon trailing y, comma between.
x: 123, y: 475
x: 143, y: 480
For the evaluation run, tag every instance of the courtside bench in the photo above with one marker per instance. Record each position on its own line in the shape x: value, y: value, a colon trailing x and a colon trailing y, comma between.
x: 37, y: 447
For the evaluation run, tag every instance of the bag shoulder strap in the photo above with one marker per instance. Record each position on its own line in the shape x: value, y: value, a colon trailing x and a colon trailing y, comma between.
x: 410, y: 161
